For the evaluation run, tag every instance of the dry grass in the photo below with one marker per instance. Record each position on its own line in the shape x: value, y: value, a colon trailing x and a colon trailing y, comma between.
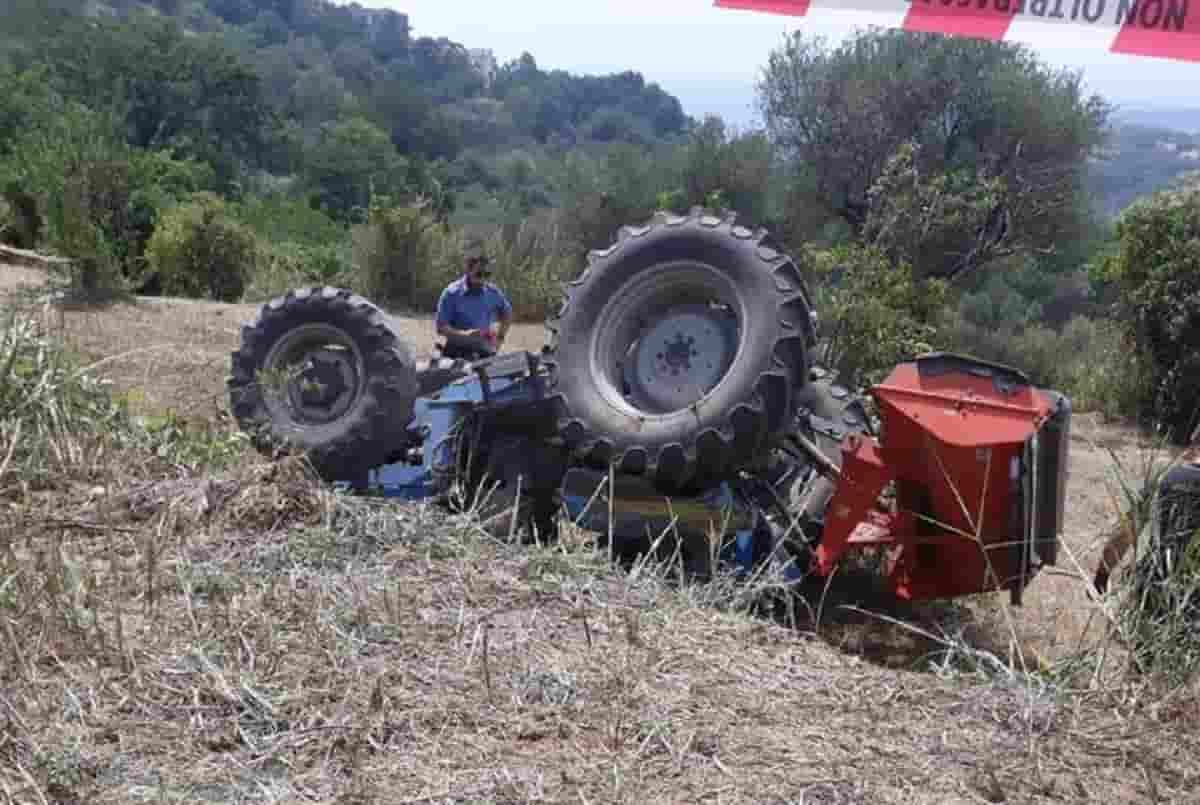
x: 171, y: 634
x: 173, y: 354
x: 254, y: 637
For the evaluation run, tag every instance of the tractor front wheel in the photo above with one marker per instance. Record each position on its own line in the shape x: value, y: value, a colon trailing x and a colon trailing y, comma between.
x: 322, y: 371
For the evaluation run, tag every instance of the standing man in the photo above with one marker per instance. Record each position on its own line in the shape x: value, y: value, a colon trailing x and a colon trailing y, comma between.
x: 473, y: 315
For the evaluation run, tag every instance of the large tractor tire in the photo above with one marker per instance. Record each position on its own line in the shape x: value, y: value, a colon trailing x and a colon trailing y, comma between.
x: 322, y: 371
x: 678, y: 352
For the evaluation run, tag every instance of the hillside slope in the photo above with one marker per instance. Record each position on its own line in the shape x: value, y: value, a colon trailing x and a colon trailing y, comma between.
x: 185, y: 634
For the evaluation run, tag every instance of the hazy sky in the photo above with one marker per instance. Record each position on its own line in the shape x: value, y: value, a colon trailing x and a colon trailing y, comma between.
x: 710, y: 58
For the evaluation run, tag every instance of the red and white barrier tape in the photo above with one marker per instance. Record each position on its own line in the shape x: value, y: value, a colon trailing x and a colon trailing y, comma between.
x: 1168, y: 29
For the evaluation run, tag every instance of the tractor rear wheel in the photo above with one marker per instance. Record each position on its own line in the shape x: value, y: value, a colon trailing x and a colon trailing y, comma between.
x: 678, y: 352
x: 323, y: 371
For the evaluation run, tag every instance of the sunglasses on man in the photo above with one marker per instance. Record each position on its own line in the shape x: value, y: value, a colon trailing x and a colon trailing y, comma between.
x: 479, y: 265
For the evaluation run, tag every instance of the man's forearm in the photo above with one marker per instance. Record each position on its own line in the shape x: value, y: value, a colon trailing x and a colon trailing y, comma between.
x: 451, y: 332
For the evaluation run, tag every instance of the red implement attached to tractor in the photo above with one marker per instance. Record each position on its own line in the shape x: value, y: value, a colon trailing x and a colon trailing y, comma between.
x: 977, y: 460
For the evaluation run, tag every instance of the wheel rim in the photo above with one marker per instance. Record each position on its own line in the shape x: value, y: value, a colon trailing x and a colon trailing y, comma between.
x: 666, y: 340
x: 314, y: 374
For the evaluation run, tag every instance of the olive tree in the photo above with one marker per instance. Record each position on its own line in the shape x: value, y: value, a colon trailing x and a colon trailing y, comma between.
x: 893, y: 133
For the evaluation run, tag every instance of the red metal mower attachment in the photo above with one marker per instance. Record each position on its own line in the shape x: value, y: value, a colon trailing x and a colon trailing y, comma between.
x: 974, y: 458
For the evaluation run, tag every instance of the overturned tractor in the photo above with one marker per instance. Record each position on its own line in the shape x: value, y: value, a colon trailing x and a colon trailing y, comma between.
x: 678, y: 379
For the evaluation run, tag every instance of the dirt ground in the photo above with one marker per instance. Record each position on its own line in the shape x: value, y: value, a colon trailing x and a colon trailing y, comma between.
x: 389, y: 661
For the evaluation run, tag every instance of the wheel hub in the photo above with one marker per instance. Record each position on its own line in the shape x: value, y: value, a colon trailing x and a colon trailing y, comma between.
x: 680, y: 358
x: 666, y: 339
x: 325, y: 386
x: 321, y: 371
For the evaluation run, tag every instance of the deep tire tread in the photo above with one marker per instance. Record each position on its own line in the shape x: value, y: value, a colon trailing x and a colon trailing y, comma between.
x: 377, y: 424
x: 742, y: 434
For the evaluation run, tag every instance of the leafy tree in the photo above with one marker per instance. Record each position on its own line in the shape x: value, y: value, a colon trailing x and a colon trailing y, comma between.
x: 99, y: 196
x: 1155, y: 272
x: 270, y: 28
x: 996, y: 138
x: 416, y: 124
x: 875, y: 312
x: 352, y: 161
x: 24, y: 95
x: 601, y: 197
x: 277, y: 74
x: 235, y: 12
x: 355, y: 65
x: 48, y: 163
x: 522, y: 107
x: 320, y: 96
x: 715, y: 164
x: 445, y: 68
x: 613, y: 124
x: 389, y: 35
x: 190, y: 93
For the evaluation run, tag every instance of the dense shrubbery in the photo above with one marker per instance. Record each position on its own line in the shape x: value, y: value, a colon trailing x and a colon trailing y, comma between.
x: 199, y: 250
x: 1154, y: 274
x: 1085, y: 359
x: 394, y: 252
x: 405, y: 259
x: 298, y: 245
x: 874, y: 313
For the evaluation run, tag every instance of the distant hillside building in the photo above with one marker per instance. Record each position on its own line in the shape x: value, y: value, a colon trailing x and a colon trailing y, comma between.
x: 483, y: 61
x: 388, y: 31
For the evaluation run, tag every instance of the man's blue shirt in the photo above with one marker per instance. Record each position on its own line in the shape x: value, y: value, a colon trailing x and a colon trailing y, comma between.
x: 466, y: 308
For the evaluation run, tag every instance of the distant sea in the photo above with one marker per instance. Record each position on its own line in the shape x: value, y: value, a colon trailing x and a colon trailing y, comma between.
x: 1180, y: 118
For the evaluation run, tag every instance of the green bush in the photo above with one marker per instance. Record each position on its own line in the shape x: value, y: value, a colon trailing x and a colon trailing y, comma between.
x: 281, y: 219
x: 1103, y: 374
x: 199, y: 250
x: 393, y: 251
x: 531, y: 261
x: 403, y: 259
x: 299, y: 245
x: 1154, y: 276
x: 79, y: 188
x: 283, y: 266
x: 874, y: 313
x: 89, y: 220
x: 65, y: 176
x: 1087, y: 359
x: 158, y: 181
